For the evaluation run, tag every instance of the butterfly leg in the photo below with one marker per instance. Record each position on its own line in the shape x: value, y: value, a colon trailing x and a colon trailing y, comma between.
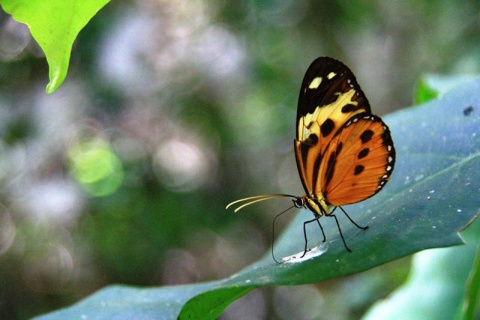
x: 321, y: 228
x: 356, y: 225
x: 305, y: 233
x: 340, y: 230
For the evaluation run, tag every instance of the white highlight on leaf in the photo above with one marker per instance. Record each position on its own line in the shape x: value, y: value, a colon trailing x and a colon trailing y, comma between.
x: 311, y: 253
x: 419, y: 177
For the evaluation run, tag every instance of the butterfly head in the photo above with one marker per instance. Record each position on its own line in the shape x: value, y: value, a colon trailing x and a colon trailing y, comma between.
x: 319, y: 207
x: 299, y: 202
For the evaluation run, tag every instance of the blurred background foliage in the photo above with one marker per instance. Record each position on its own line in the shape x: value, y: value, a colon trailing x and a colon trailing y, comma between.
x: 172, y: 109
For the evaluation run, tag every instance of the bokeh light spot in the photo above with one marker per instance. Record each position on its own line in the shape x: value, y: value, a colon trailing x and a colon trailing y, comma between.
x: 96, y: 167
x: 7, y: 232
x: 181, y: 166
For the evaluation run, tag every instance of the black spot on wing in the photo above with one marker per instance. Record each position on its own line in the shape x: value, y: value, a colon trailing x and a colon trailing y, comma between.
x: 366, y: 136
x: 362, y: 154
x: 312, y: 139
x: 358, y: 169
x: 327, y: 127
x: 349, y: 108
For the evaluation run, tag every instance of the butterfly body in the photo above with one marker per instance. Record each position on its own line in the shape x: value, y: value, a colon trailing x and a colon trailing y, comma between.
x: 344, y: 153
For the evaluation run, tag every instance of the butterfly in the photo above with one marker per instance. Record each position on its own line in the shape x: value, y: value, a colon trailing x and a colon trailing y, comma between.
x: 344, y: 153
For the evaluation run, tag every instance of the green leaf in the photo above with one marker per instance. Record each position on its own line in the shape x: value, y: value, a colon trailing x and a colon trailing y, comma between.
x: 472, y: 296
x: 122, y: 302
x: 440, y: 275
x: 434, y: 192
x: 54, y: 24
x: 423, y: 92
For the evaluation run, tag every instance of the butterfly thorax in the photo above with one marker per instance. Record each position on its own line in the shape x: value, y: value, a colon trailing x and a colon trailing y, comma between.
x: 319, y: 207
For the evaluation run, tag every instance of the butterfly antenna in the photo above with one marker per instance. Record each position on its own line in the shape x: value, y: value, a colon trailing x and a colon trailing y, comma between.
x: 251, y: 200
x: 273, y: 231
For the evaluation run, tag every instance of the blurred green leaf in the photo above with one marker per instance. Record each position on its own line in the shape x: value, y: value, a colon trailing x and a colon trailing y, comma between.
x: 434, y: 193
x: 96, y: 167
x: 423, y: 92
x: 429, y: 87
x: 440, y: 275
x: 54, y: 24
x: 472, y: 296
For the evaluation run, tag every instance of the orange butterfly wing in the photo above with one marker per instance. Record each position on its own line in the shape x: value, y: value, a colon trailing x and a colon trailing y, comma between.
x: 332, y: 111
x: 358, y: 161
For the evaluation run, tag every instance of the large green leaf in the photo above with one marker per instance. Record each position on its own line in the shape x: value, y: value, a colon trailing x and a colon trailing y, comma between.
x: 434, y: 192
x: 54, y: 24
x: 441, y: 275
